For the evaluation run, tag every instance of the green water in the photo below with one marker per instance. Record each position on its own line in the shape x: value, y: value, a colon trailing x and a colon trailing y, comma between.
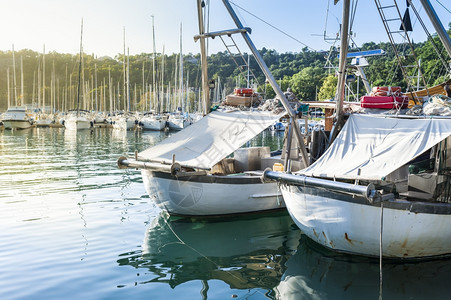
x: 74, y: 226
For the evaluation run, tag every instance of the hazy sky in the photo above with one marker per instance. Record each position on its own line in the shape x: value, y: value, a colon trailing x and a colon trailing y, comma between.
x: 56, y: 23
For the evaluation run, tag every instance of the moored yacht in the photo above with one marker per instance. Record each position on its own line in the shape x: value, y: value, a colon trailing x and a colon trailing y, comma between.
x: 17, y: 117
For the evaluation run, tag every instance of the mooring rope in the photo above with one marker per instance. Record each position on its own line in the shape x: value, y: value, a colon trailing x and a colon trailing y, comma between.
x: 380, y: 251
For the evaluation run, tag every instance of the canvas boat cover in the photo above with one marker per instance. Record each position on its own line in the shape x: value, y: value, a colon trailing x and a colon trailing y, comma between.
x: 212, y: 138
x: 377, y: 146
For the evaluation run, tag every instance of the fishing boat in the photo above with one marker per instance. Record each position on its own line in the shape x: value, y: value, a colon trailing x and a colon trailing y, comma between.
x: 191, y: 173
x: 382, y: 188
x: 381, y: 176
x: 17, y: 117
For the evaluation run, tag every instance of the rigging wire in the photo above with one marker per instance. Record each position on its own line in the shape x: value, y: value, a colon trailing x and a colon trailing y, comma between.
x: 443, y: 6
x: 281, y: 31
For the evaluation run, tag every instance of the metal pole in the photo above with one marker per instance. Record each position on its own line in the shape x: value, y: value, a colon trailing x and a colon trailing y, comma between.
x: 203, y: 58
x: 366, y: 191
x: 339, y: 96
x: 271, y: 80
x: 443, y: 35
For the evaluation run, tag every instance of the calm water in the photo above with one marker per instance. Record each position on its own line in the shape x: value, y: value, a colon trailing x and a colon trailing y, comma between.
x: 74, y: 226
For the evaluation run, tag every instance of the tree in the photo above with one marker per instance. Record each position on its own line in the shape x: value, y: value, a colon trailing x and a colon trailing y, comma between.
x: 304, y: 83
x: 329, y: 88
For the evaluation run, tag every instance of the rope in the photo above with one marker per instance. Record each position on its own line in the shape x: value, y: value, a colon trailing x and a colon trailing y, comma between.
x: 198, y: 252
x: 380, y: 251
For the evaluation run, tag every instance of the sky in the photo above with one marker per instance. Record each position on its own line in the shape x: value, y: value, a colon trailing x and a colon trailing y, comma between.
x: 284, y: 25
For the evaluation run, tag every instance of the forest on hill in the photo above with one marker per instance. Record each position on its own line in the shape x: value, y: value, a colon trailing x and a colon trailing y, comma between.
x: 51, y: 79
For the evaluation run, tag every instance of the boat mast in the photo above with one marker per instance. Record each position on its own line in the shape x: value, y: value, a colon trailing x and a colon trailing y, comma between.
x: 43, y: 78
x: 154, y: 90
x: 339, y: 96
x: 79, y: 69
x: 443, y: 35
x: 182, y: 102
x: 14, y: 78
x: 125, y: 77
x: 271, y: 80
x: 128, y: 80
x: 203, y: 58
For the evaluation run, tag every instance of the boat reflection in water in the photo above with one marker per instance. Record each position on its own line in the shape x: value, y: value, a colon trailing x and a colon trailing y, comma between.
x: 245, y: 252
x: 318, y: 273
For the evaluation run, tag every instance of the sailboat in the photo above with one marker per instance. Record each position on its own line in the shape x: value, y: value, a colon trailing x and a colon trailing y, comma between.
x: 191, y: 172
x: 382, y: 188
x: 78, y: 119
x: 179, y: 120
x: 16, y: 117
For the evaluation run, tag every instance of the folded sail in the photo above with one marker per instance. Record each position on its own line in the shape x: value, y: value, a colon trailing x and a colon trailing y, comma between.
x: 212, y: 138
x: 376, y: 146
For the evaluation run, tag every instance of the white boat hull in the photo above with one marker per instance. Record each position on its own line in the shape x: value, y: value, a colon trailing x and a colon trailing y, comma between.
x: 178, y: 124
x: 77, y: 123
x: 347, y: 224
x: 211, y: 195
x: 153, y: 124
x: 16, y: 124
x: 16, y: 117
x: 124, y: 124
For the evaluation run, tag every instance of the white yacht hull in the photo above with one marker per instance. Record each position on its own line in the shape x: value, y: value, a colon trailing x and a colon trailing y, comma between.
x: 178, y: 124
x: 153, y: 124
x: 211, y: 195
x: 16, y: 117
x: 350, y: 224
x: 16, y: 124
x: 124, y: 124
x: 77, y: 123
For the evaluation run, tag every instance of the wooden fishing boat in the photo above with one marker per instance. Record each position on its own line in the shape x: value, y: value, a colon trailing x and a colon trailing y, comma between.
x: 378, y: 179
x: 382, y: 188
x: 190, y: 173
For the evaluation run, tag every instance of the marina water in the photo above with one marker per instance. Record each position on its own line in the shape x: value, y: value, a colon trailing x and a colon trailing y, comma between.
x: 74, y: 226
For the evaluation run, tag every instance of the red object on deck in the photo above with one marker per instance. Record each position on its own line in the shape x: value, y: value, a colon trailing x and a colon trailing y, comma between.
x: 387, y: 102
x: 244, y: 91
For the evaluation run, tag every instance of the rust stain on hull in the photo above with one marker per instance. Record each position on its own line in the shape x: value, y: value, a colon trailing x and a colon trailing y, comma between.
x: 348, y: 239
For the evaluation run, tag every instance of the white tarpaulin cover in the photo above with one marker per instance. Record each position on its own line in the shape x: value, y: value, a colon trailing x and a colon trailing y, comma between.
x: 212, y: 138
x: 377, y: 146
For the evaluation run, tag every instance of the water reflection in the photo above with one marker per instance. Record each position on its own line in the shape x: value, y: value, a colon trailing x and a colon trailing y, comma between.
x: 317, y: 273
x: 245, y: 253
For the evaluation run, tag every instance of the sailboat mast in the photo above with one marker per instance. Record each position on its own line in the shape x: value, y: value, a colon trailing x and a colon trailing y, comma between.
x: 79, y: 69
x: 125, y: 77
x: 128, y: 79
x: 14, y: 78
x: 182, y: 102
x: 8, y: 87
x: 339, y: 96
x: 21, y: 82
x: 203, y: 58
x: 153, y: 67
x: 43, y: 79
